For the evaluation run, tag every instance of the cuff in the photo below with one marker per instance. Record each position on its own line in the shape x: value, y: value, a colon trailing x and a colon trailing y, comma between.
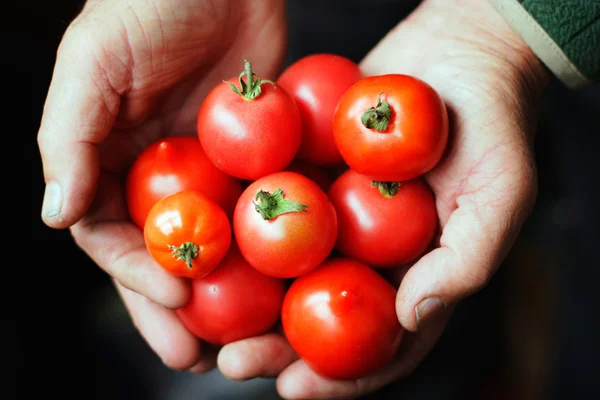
x: 540, y: 42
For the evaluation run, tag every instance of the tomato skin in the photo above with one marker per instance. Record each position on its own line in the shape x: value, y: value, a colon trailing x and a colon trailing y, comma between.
x: 171, y: 165
x: 187, y: 216
x: 233, y: 302
x: 415, y: 138
x: 249, y: 139
x: 381, y: 231
x: 316, y: 82
x: 341, y: 319
x: 319, y: 175
x: 293, y: 243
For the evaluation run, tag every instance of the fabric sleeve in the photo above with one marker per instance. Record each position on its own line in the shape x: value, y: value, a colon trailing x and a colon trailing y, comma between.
x: 564, y: 35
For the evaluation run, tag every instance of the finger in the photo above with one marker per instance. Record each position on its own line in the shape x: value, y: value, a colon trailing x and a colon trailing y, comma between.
x: 475, y: 240
x: 117, y: 245
x: 261, y: 356
x: 163, y: 331
x: 298, y: 381
x: 79, y: 113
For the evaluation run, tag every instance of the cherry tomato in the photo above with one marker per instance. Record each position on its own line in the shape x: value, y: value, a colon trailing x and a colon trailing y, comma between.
x: 187, y: 234
x: 316, y: 82
x: 383, y: 224
x: 171, y: 165
x: 391, y: 127
x: 233, y: 302
x: 249, y: 132
x: 341, y: 319
x: 284, y: 224
x: 320, y: 176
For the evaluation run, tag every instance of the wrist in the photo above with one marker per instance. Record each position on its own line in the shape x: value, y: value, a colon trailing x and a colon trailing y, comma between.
x: 478, y: 22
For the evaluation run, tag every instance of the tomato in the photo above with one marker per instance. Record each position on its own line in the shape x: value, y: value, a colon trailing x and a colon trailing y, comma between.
x: 171, y: 165
x: 341, y: 319
x: 284, y: 224
x: 320, y: 176
x: 187, y: 234
x: 383, y: 224
x: 391, y: 127
x: 252, y: 132
x: 316, y: 82
x: 233, y: 302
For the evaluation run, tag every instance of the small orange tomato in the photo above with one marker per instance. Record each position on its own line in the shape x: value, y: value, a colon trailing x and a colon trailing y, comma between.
x: 187, y: 234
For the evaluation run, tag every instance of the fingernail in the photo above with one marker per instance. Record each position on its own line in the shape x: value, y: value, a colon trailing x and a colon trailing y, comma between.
x: 52, y: 200
x: 428, y: 308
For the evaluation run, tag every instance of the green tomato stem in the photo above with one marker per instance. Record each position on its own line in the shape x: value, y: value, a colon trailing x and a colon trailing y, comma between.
x: 250, y: 89
x: 387, y: 189
x: 186, y: 252
x: 377, y: 117
x: 272, y: 205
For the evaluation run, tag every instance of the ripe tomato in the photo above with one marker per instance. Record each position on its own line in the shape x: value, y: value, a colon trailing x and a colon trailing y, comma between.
x: 249, y: 133
x: 316, y: 83
x: 187, y: 234
x: 284, y: 224
x: 383, y: 224
x: 319, y: 175
x: 341, y: 319
x: 391, y: 127
x: 171, y: 165
x: 233, y: 302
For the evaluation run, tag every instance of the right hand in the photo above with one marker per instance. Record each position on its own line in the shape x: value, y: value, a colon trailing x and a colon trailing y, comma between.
x: 126, y: 74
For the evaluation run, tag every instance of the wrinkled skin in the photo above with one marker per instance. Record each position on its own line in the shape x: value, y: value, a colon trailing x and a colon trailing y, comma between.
x: 103, y: 99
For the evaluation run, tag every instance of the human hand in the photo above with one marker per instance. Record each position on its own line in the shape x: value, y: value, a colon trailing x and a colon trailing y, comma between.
x: 127, y: 73
x: 485, y: 185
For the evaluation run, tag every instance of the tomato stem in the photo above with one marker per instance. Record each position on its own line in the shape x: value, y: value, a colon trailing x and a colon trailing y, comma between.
x: 252, y: 88
x: 271, y: 205
x: 186, y: 252
x: 387, y: 189
x: 377, y: 117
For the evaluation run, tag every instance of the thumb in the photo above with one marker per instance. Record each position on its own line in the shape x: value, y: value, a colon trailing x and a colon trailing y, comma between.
x: 79, y: 113
x: 475, y: 240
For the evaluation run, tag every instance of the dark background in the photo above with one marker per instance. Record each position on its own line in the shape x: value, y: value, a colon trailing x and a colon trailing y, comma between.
x: 531, y: 334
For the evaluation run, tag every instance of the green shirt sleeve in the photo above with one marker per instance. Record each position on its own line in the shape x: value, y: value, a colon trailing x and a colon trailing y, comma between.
x: 564, y: 34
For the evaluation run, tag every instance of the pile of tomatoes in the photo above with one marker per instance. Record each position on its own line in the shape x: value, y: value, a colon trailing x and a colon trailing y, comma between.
x: 291, y: 201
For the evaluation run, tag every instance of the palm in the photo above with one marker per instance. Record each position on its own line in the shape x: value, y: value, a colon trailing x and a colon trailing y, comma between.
x: 160, y: 62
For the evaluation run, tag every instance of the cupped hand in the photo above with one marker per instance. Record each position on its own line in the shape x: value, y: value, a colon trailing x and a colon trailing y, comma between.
x: 127, y: 73
x: 485, y: 185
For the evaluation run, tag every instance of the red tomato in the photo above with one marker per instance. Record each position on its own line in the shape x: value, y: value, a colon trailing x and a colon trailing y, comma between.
x: 187, y: 234
x: 171, y: 165
x: 316, y: 83
x: 249, y: 133
x: 385, y: 225
x: 341, y: 319
x: 320, y: 176
x: 391, y: 127
x: 284, y: 224
x: 233, y: 302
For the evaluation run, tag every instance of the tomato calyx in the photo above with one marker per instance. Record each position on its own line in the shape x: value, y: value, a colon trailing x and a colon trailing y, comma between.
x: 186, y: 252
x: 377, y: 117
x: 387, y: 189
x: 272, y: 205
x: 252, y: 88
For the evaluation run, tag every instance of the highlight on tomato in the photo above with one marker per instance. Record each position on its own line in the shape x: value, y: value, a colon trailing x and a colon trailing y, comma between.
x: 233, y: 302
x: 187, y: 234
x: 383, y: 224
x: 316, y: 82
x: 249, y: 130
x: 171, y: 165
x: 285, y: 224
x: 391, y: 127
x: 341, y: 319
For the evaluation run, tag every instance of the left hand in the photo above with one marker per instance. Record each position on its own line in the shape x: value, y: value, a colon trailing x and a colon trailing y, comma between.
x: 485, y: 186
